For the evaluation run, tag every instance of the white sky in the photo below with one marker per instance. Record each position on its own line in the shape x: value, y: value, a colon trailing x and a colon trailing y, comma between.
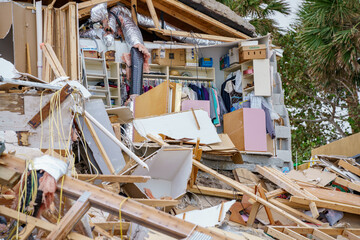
x: 285, y: 21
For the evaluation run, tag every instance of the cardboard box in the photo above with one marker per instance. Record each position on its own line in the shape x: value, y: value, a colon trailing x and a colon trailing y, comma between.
x: 168, y: 57
x: 91, y: 54
x: 251, y: 54
x: 255, y: 47
x: 191, y: 57
x: 246, y: 129
x: 233, y: 55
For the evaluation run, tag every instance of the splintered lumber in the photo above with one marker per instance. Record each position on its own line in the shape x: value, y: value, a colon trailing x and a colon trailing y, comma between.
x: 351, y: 236
x: 348, y: 184
x: 327, y: 204
x: 130, y: 209
x: 153, y: 13
x: 278, y: 234
x: 287, y: 184
x: 26, y: 232
x: 73, y: 215
x: 157, y: 140
x: 45, y: 111
x: 254, y: 210
x: 320, y: 233
x: 223, y: 193
x: 247, y: 191
x: 275, y: 193
x: 267, y: 209
x: 41, y: 224
x: 349, y: 167
x: 294, y: 212
x: 114, y: 178
x: 335, y: 196
x: 53, y: 60
x: 99, y: 145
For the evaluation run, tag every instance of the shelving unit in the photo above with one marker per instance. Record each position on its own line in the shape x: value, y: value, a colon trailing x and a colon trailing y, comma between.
x: 98, y: 70
x: 260, y: 79
x: 194, y: 73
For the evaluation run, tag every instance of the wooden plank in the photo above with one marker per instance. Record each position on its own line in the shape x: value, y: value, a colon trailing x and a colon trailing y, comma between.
x: 45, y: 111
x: 349, y: 167
x: 267, y: 209
x: 350, y: 235
x: 157, y: 202
x: 277, y: 234
x: 326, y: 204
x: 184, y: 9
x: 90, y: 3
x: 166, y: 32
x: 114, y: 178
x: 335, y: 196
x: 28, y: 62
x: 113, y: 225
x: 100, y: 231
x: 295, y: 212
x: 327, y: 230
x: 72, y: 216
x: 72, y: 31
x: 157, y: 140
x: 247, y: 191
x: 99, y: 145
x: 216, y: 192
x: 27, y: 230
x: 321, y: 235
x: 53, y: 60
x: 44, y: 225
x: 294, y: 234
x: 254, y: 210
x: 275, y: 193
x: 348, y: 184
x: 348, y: 146
x: 152, y: 11
x: 131, y: 210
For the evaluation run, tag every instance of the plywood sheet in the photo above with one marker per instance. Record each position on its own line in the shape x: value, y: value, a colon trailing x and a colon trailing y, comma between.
x: 179, y: 125
x: 97, y: 109
x: 348, y: 147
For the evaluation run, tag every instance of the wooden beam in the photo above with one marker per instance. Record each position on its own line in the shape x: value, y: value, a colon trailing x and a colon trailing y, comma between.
x: 326, y: 204
x: 134, y: 11
x: 277, y: 234
x: 349, y: 167
x: 254, y: 210
x: 267, y: 209
x: 294, y: 234
x: 53, y: 60
x: 99, y: 145
x: 275, y: 193
x: 72, y: 216
x: 114, y: 178
x: 41, y: 224
x: 45, y: 111
x: 348, y: 184
x: 247, y: 191
x: 327, y: 230
x: 73, y: 53
x: 321, y: 235
x: 152, y: 11
x: 90, y: 3
x: 182, y: 8
x: 157, y: 202
x: 216, y: 192
x: 130, y: 210
x: 157, y: 140
x: 194, y: 35
x: 295, y: 212
x: 27, y: 230
x: 351, y: 236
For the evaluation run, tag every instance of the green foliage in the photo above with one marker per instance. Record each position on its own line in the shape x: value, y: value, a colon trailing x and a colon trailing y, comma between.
x: 259, y: 12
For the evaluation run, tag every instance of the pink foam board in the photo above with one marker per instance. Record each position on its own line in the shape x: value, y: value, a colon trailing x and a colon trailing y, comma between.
x: 196, y: 104
x: 254, y: 129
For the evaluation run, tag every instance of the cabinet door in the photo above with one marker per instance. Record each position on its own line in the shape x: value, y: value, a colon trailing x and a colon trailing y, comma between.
x: 262, y: 77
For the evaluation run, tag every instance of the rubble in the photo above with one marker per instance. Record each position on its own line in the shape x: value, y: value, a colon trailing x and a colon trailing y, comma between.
x: 90, y: 151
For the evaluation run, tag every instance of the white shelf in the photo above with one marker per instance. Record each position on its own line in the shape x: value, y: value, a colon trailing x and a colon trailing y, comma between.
x: 190, y: 78
x: 146, y: 75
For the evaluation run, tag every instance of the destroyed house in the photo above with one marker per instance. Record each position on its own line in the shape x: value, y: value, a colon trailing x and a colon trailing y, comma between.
x: 121, y: 118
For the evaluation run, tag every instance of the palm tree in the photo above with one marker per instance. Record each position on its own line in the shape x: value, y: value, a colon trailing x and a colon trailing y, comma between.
x: 330, y: 34
x: 259, y: 12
